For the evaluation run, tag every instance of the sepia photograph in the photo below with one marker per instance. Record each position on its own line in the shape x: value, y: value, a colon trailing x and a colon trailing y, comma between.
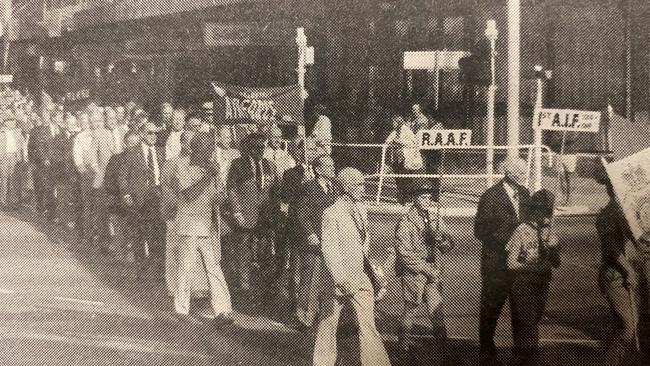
x: 325, y: 182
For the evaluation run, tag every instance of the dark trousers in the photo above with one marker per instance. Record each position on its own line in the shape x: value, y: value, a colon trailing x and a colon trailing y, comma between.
x: 528, y: 297
x: 495, y: 290
x: 44, y: 189
x: 432, y: 161
x: 147, y: 229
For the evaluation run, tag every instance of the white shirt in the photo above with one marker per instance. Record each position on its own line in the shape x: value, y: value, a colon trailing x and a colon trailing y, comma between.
x: 117, y: 139
x: 323, y: 132
x: 282, y: 160
x: 156, y: 169
x: 513, y: 195
x: 10, y: 144
x: 54, y: 130
x: 81, y: 147
x: 173, y: 145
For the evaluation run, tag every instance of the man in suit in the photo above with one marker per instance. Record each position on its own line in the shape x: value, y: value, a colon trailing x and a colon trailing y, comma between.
x: 316, y: 195
x: 344, y: 246
x: 65, y: 174
x: 85, y: 162
x: 175, y: 130
x: 40, y: 152
x: 250, y: 185
x: 163, y: 123
x: 139, y: 182
x: 500, y: 210
x: 11, y: 145
x: 107, y: 141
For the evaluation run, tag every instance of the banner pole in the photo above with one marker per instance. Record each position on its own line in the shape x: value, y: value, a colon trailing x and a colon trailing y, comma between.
x: 538, y: 137
x: 301, y: 42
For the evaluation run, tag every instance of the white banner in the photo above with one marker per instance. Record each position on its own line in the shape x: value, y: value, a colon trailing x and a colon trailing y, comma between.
x: 566, y: 120
x: 630, y: 178
x: 435, y: 139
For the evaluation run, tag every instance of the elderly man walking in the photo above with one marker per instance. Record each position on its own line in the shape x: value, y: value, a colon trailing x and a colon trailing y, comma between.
x: 345, y: 244
x: 500, y: 211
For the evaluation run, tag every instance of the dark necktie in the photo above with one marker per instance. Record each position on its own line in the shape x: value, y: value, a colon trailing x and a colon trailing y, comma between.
x: 151, y: 162
x: 258, y: 175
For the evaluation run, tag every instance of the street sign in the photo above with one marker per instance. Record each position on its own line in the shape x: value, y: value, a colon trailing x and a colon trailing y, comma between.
x: 566, y: 120
x: 420, y: 60
x: 434, y: 139
x: 6, y: 78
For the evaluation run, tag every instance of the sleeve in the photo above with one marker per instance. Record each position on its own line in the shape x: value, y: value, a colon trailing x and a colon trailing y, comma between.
x: 553, y: 253
x: 484, y: 220
x: 408, y: 257
x: 513, y: 248
x: 330, y: 248
x: 123, y: 176
x: 303, y: 210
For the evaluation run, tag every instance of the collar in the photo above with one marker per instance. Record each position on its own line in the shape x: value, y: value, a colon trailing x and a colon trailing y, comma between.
x: 324, y: 183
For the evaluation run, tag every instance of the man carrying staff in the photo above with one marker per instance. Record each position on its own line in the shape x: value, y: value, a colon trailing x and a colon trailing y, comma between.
x: 345, y: 244
x: 500, y: 211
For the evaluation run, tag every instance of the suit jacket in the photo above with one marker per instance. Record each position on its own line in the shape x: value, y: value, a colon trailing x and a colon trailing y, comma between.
x: 255, y: 204
x: 103, y: 148
x: 134, y: 177
x: 291, y: 186
x: 345, y: 242
x: 64, y: 170
x: 310, y: 207
x: 496, y: 219
x: 112, y: 173
x: 40, y: 147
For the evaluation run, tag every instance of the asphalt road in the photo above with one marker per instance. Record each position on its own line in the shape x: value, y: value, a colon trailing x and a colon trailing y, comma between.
x: 65, y: 307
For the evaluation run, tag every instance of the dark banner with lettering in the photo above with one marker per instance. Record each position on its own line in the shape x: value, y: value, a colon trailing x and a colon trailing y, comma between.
x: 261, y: 106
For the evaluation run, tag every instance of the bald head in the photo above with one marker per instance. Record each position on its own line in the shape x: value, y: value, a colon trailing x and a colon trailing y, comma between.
x: 351, y: 181
x: 514, y: 169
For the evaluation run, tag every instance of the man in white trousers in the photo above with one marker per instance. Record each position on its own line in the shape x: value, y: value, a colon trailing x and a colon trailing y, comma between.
x: 344, y: 246
x: 200, y: 194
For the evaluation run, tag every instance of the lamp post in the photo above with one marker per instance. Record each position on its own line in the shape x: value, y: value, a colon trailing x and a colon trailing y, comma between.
x: 540, y: 75
x: 513, y: 76
x: 491, y: 33
x: 301, y: 42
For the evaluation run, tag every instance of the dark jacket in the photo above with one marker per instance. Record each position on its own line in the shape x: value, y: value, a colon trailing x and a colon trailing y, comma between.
x: 40, y: 147
x: 255, y: 203
x: 310, y: 207
x: 496, y: 219
x: 63, y: 167
x: 134, y: 177
x: 112, y: 174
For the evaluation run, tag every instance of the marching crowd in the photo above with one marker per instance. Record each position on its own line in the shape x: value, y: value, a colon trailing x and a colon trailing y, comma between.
x: 179, y: 195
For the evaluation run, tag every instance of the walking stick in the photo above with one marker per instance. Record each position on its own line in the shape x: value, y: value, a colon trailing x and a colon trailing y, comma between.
x: 635, y: 315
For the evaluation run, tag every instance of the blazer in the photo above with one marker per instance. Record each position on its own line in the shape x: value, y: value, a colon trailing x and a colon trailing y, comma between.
x: 344, y: 245
x: 134, y: 177
x: 496, y: 219
x: 111, y: 174
x: 310, y: 207
x: 40, y: 147
x: 253, y: 202
x: 64, y: 170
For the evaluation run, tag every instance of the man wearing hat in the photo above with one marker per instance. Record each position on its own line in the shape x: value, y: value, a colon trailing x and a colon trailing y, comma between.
x: 344, y: 246
x: 500, y: 210
x: 421, y: 238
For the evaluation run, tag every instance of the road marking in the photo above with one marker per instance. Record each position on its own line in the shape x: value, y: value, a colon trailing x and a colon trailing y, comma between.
x: 7, y: 292
x: 79, y: 301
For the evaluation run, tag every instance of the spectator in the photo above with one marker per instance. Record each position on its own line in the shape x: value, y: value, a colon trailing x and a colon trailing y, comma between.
x: 11, y: 145
x: 65, y: 173
x: 532, y: 255
x: 500, y: 211
x: 344, y: 246
x: 403, y: 155
x: 173, y: 134
x: 432, y: 158
x: 201, y: 194
x: 85, y: 163
x: 40, y: 154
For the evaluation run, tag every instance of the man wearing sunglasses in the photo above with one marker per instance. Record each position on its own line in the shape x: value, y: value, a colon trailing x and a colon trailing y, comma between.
x: 139, y: 181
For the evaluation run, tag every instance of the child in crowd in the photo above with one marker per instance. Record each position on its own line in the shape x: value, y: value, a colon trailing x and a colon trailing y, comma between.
x: 532, y: 255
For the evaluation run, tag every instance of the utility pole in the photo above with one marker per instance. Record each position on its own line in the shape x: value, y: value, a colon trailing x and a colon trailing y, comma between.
x: 513, y: 76
x: 5, y: 30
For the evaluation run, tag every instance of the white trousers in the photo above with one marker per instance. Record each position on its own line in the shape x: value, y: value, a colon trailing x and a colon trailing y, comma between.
x: 373, y: 352
x: 209, y: 251
x: 198, y: 278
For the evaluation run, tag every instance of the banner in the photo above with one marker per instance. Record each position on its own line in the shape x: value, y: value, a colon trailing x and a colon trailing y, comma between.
x: 434, y: 139
x: 630, y: 178
x: 236, y: 105
x: 566, y: 120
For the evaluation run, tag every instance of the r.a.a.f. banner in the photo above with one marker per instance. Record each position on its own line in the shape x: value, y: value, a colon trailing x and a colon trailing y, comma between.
x: 236, y: 104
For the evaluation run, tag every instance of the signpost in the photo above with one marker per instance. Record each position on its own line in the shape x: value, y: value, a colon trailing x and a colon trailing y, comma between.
x: 435, y: 61
x: 566, y: 120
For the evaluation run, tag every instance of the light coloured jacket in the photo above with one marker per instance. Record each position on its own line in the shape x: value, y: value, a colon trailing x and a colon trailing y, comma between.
x: 345, y: 241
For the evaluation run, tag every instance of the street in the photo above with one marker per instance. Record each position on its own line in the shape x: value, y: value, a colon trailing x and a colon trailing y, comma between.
x: 78, y: 308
